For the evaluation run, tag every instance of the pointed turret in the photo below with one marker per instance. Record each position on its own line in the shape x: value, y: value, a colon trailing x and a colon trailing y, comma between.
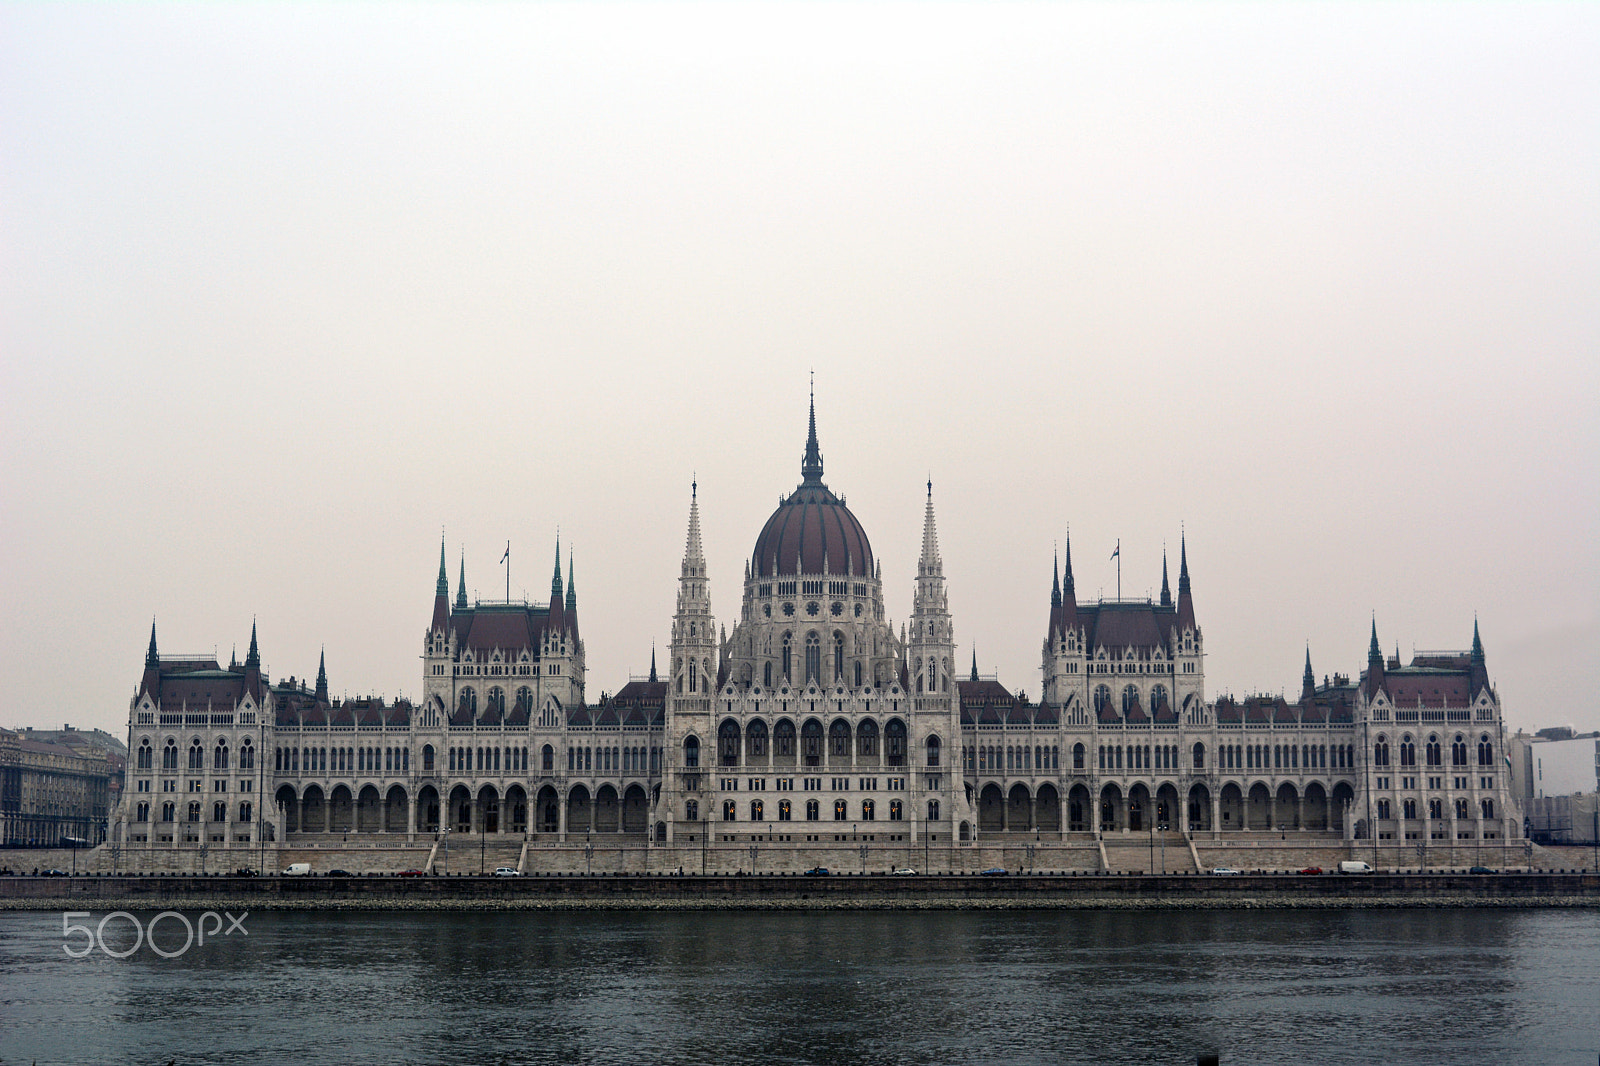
x: 1308, y: 680
x: 1166, y: 590
x: 652, y: 662
x: 1185, y: 600
x: 441, y: 596
x: 693, y: 656
x: 974, y: 665
x: 1477, y: 672
x: 322, y: 677
x: 1069, y: 593
x: 1055, y: 580
x: 150, y: 683
x: 929, y: 564
x: 1373, y: 683
x: 931, y: 654
x: 252, y: 667
x: 555, y: 578
x: 572, y: 587
x: 461, y: 585
x: 811, y: 465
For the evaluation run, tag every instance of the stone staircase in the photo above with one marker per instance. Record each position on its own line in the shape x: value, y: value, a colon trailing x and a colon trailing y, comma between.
x: 1149, y: 853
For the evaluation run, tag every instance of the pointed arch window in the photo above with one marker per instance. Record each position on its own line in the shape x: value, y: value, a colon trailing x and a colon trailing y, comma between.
x: 813, y: 657
x: 146, y: 758
x: 788, y: 664
x: 838, y: 657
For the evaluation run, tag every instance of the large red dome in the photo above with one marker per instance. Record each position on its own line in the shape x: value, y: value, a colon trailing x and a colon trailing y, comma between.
x: 812, y: 524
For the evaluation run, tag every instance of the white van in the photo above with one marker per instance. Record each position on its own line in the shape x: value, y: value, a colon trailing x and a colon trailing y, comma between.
x: 1354, y: 868
x: 297, y: 869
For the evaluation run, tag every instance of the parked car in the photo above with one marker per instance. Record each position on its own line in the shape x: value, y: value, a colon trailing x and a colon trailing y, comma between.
x: 1354, y: 867
x: 1224, y: 871
x: 244, y: 871
x: 1312, y: 870
x: 297, y: 869
x: 817, y: 871
x: 507, y: 871
x: 995, y: 871
x: 410, y: 873
x: 338, y: 873
x: 1483, y: 870
x: 52, y: 873
x: 904, y: 871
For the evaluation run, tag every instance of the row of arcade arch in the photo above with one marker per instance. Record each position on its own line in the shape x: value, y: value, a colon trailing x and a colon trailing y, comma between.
x: 1138, y: 809
x: 487, y: 810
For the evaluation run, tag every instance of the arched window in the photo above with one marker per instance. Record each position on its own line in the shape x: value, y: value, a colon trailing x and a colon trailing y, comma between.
x: 1434, y: 752
x: 1380, y: 752
x: 766, y: 674
x: 427, y: 758
x: 867, y: 738
x: 1102, y: 698
x: 219, y: 811
x: 143, y: 813
x: 813, y: 810
x: 497, y: 702
x: 730, y: 810
x: 1130, y: 698
x: 933, y: 676
x: 858, y: 673
x: 894, y: 742
x: 757, y: 811
x: 194, y: 812
x: 169, y: 811
x: 169, y: 756
x: 811, y: 741
x: 728, y: 743
x: 1485, y: 751
x: 1199, y: 756
x: 197, y: 758
x: 1461, y: 809
x: 839, y: 739
x: 1458, y: 751
x: 813, y: 657
x: 784, y: 810
x: 896, y: 811
x: 783, y: 739
x: 219, y: 756
x: 1078, y: 753
x: 247, y: 754
x: 1158, y: 696
x: 1487, y: 806
x: 869, y: 811
x: 146, y: 758
x: 246, y: 811
x: 933, y: 751
x: 691, y: 753
x: 933, y: 810
x: 756, y: 738
x: 840, y: 810
x: 1408, y: 751
x: 691, y: 810
x: 694, y: 675
x: 788, y: 664
x: 838, y: 656
x: 469, y: 702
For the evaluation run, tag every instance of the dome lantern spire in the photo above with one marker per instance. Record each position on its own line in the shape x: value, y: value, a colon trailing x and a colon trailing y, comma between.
x: 811, y: 466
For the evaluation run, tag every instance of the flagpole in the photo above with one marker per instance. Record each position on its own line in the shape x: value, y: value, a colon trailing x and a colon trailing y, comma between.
x: 1117, y: 555
x: 506, y: 558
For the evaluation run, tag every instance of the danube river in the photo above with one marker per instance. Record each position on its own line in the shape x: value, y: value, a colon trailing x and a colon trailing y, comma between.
x: 1298, y: 987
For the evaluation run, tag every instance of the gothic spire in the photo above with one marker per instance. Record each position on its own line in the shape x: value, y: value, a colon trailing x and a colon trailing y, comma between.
x: 693, y: 554
x: 443, y: 587
x: 1183, y: 565
x: 652, y: 662
x: 1374, y: 653
x: 322, y: 676
x: 1166, y: 590
x: 151, y: 659
x: 1055, y: 580
x: 461, y: 584
x: 974, y: 664
x: 1308, y: 680
x: 811, y: 466
x: 252, y: 659
x: 572, y: 585
x: 1067, y: 587
x: 1477, y: 643
x: 555, y: 580
x: 929, y: 564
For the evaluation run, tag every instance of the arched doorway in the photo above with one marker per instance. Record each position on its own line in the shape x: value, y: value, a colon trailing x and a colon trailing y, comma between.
x: 607, y: 811
x: 1047, y: 810
x: 460, y: 809
x: 1258, y: 811
x: 340, y: 810
x: 1286, y: 807
x: 289, y: 804
x: 1343, y: 797
x: 396, y: 811
x: 1168, y: 816
x: 313, y: 812
x: 1079, y: 806
x: 1019, y: 809
x: 580, y: 812
x: 489, y: 809
x: 1199, y: 813
x: 517, y: 808
x: 548, y: 810
x: 1314, y: 807
x: 635, y: 810
x: 428, y: 810
x: 1111, y: 812
x: 1138, y: 808
x: 1231, y: 807
x: 991, y: 809
x: 369, y: 810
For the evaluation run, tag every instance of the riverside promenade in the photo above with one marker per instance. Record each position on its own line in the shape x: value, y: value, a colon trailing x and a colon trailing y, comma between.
x: 791, y: 891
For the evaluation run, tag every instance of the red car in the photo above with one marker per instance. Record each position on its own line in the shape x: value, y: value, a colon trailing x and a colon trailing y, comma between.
x: 1312, y: 870
x: 410, y: 873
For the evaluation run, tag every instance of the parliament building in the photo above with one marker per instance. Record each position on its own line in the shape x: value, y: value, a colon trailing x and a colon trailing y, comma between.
x: 812, y: 725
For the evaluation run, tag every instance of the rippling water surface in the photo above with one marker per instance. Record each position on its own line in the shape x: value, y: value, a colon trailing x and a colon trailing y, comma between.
x: 729, y: 987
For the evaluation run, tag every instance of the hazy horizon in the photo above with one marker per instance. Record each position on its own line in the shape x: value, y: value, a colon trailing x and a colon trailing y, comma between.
x: 287, y: 292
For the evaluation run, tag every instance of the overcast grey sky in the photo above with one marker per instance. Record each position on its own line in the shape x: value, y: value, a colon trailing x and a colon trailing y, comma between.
x: 288, y: 289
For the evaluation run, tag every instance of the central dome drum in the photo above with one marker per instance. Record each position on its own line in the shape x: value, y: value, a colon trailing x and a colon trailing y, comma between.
x: 812, y: 531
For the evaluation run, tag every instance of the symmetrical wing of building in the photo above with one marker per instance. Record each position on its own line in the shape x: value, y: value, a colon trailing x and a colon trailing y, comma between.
x: 812, y: 721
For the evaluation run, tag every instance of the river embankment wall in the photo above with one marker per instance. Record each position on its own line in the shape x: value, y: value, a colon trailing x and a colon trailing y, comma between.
x: 646, y: 892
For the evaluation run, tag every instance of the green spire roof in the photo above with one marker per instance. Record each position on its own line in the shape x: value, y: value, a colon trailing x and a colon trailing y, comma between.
x: 555, y: 580
x: 443, y: 588
x: 572, y: 585
x: 461, y: 586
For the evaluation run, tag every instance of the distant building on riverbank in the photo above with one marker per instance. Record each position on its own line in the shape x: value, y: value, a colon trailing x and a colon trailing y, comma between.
x: 51, y: 791
x: 815, y: 723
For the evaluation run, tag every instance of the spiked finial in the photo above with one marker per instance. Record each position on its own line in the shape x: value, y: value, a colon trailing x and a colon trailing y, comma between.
x: 150, y: 657
x: 252, y: 659
x: 811, y: 466
x: 1374, y: 653
x: 461, y: 585
x: 1477, y: 643
x: 652, y: 662
x: 443, y: 587
x: 1308, y: 680
x: 322, y: 676
x: 1166, y: 590
x: 1067, y: 586
x: 572, y: 585
x: 1183, y: 564
x: 974, y: 664
x: 930, y: 564
x: 1055, y: 580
